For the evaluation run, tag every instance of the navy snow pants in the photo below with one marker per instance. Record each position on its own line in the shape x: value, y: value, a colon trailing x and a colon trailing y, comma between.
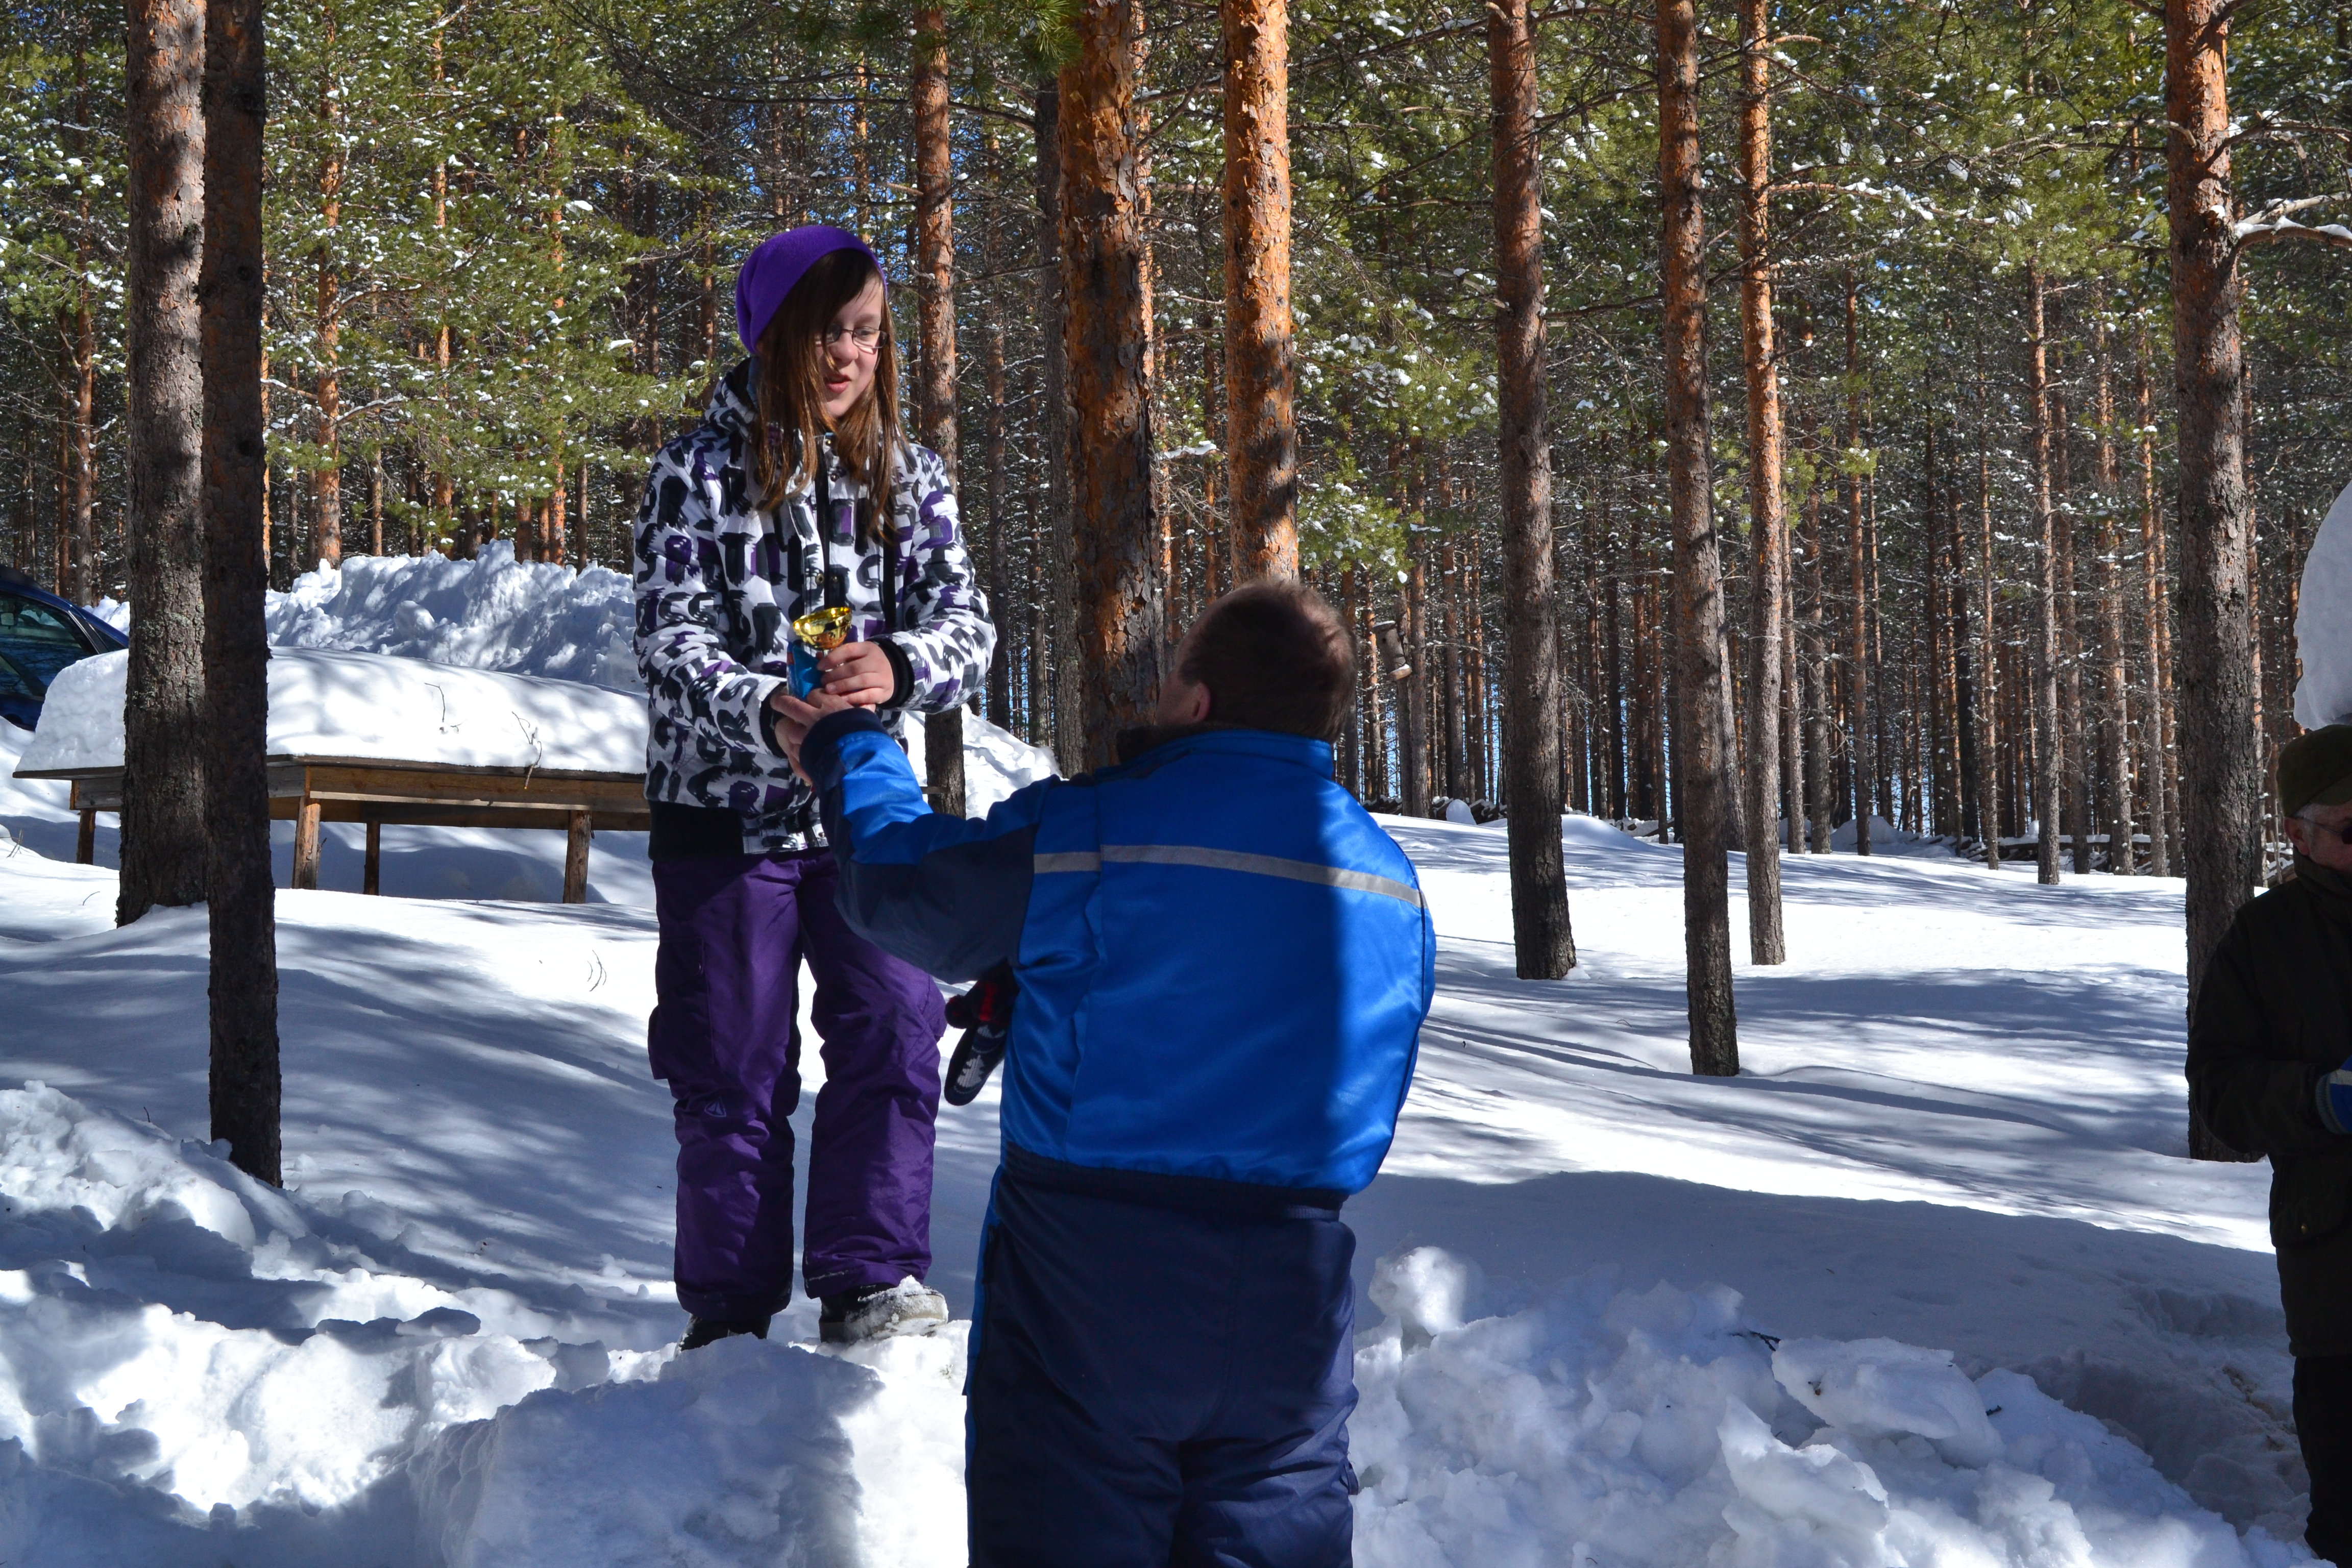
x: 2322, y: 1420
x: 1157, y: 1387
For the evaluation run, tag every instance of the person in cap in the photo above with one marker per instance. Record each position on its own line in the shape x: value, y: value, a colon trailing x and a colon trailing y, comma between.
x: 797, y: 493
x: 2270, y: 1071
x: 1220, y: 965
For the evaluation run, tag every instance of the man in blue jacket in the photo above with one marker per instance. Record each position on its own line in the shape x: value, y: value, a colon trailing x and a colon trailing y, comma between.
x: 1222, y: 964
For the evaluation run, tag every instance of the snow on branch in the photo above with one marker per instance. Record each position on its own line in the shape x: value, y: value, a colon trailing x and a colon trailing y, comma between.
x: 2276, y: 222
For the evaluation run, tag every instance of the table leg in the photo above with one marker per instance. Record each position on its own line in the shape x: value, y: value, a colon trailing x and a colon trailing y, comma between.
x: 306, y: 845
x: 575, y: 859
x: 371, y: 878
x: 86, y: 841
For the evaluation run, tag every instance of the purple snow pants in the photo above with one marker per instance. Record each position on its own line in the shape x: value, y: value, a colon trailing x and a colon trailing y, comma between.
x: 726, y: 1035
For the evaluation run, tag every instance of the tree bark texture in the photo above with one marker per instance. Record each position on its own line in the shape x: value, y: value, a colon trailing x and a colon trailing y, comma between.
x: 1706, y: 770
x: 2049, y: 774
x: 164, y: 849
x: 935, y: 315
x: 1261, y: 348
x: 245, y: 1078
x: 2155, y: 617
x: 1531, y: 699
x: 2220, y: 760
x: 1060, y: 526
x: 1120, y: 615
x: 1768, y: 521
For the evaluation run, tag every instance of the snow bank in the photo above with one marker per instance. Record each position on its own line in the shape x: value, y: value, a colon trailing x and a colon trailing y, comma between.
x: 1608, y: 1427
x: 199, y: 1368
x: 376, y: 707
x: 195, y: 1368
x: 490, y: 613
x: 2323, y: 622
x: 496, y: 613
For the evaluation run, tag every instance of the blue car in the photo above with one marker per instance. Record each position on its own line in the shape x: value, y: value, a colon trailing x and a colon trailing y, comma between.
x: 40, y: 633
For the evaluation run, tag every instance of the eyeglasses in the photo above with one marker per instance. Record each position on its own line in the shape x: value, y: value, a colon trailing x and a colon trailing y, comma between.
x: 863, y: 338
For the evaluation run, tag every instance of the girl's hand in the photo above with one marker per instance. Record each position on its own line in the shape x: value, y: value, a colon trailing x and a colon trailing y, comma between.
x: 859, y: 673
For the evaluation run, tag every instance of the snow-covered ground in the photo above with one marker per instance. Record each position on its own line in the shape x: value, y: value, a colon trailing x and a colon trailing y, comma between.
x: 1931, y: 1282
x: 1959, y: 1129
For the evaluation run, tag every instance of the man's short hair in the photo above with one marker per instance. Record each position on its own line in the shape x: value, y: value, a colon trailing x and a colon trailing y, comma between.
x: 1274, y: 656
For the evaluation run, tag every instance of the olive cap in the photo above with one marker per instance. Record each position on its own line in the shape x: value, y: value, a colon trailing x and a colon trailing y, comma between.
x: 2315, y: 769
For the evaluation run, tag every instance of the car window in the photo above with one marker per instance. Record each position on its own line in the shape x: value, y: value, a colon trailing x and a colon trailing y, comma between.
x: 36, y: 642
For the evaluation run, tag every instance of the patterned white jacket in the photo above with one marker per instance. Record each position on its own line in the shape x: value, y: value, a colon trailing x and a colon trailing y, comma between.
x: 718, y: 581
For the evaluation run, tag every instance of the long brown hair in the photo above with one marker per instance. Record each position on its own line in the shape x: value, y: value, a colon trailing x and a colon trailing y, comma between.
x: 788, y: 394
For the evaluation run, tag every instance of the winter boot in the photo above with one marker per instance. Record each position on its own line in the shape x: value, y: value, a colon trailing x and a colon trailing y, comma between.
x: 984, y: 1013
x: 700, y: 1331
x: 881, y: 1312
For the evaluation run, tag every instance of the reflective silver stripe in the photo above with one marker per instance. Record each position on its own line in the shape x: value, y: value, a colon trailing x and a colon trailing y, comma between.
x: 1228, y: 860
x: 1069, y: 860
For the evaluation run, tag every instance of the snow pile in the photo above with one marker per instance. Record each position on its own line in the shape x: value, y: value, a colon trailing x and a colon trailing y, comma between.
x: 499, y: 614
x: 372, y: 706
x: 995, y: 762
x: 2323, y: 622
x: 1608, y: 1427
x: 199, y: 1368
x: 490, y: 613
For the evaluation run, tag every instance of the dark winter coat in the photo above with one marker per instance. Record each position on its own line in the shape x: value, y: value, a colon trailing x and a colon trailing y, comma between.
x: 2272, y: 1018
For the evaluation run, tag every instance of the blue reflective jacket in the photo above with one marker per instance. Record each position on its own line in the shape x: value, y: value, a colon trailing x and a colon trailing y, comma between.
x: 1224, y: 960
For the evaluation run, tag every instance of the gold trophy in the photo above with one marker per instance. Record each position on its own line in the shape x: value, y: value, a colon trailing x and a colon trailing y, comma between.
x: 812, y: 634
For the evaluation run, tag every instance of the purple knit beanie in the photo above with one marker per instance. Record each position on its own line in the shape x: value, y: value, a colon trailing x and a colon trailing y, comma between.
x: 778, y: 262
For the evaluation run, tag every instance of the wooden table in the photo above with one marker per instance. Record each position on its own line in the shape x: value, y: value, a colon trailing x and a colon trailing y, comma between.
x: 306, y: 791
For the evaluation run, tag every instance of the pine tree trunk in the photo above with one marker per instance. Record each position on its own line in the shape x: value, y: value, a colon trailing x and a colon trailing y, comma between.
x: 1768, y: 521
x: 552, y: 543
x: 1412, y: 709
x: 999, y: 538
x: 245, y: 1074
x: 80, y: 543
x: 327, y: 482
x: 1820, y: 769
x: 1261, y: 349
x: 2073, y: 724
x: 1119, y: 599
x: 1865, y: 736
x: 1988, y: 732
x: 77, y: 562
x: 1057, y: 688
x: 935, y: 312
x: 2048, y: 784
x: 164, y: 849
x: 1545, y: 945
x: 2115, y: 719
x: 1705, y: 781
x: 2156, y: 616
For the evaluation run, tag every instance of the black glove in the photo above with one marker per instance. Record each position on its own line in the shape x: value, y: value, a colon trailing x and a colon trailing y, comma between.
x: 984, y: 1013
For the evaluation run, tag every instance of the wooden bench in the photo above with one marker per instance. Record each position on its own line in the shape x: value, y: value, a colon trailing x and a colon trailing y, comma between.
x: 308, y: 790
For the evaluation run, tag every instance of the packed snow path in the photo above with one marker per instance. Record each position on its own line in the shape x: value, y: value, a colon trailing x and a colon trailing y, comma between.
x: 1959, y: 1128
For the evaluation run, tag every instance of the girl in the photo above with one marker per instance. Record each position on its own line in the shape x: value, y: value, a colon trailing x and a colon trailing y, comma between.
x: 797, y: 492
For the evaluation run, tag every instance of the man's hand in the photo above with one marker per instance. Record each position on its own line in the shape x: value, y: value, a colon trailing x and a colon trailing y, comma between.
x: 793, y: 718
x: 859, y: 673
